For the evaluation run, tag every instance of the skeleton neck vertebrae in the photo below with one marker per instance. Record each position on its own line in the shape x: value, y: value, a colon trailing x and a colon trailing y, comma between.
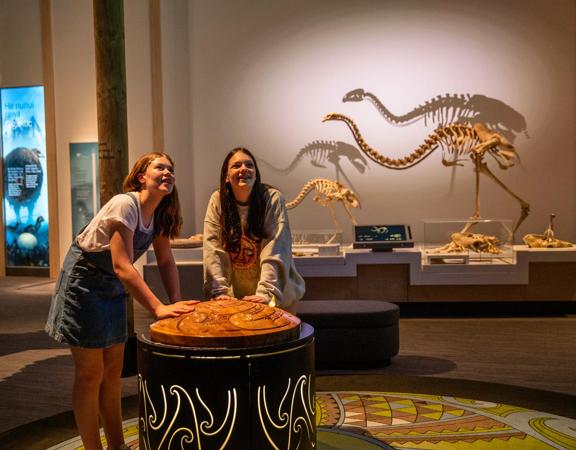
x: 456, y: 140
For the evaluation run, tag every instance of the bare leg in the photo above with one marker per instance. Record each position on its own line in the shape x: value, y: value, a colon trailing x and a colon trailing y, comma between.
x: 110, y: 396
x: 89, y: 367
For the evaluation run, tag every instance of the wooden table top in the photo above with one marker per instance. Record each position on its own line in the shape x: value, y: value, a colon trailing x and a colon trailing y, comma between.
x: 227, y: 323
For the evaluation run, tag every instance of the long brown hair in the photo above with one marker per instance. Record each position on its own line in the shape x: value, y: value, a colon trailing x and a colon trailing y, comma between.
x: 231, y: 229
x: 167, y: 215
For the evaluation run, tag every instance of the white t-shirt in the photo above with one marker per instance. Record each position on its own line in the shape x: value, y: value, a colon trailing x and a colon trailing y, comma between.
x: 121, y: 208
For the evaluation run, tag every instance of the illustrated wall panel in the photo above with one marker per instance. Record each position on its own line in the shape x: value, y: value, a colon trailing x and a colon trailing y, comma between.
x: 25, y: 190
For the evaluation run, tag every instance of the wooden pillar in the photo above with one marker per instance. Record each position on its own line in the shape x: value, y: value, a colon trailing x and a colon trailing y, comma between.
x: 111, y: 96
x: 51, y: 153
x: 111, y: 104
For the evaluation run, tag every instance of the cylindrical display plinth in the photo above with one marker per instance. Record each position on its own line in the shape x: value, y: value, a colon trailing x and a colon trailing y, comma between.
x: 258, y: 397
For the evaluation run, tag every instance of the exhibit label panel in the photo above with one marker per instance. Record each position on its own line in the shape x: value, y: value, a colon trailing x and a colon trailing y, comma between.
x: 84, y: 183
x: 25, y: 190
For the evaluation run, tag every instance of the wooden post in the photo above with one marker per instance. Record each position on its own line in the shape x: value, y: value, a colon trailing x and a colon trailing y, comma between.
x: 111, y: 96
x: 112, y: 109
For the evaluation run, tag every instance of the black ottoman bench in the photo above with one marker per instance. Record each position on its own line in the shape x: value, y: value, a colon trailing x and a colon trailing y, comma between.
x: 352, y: 333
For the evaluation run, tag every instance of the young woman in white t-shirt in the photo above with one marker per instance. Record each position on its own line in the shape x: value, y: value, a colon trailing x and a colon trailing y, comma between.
x: 88, y: 310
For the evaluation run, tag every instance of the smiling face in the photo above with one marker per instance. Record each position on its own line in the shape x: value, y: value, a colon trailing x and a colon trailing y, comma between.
x: 241, y: 175
x: 158, y: 177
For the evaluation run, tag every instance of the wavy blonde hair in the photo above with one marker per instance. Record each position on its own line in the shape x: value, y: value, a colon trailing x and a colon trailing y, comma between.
x: 168, y: 215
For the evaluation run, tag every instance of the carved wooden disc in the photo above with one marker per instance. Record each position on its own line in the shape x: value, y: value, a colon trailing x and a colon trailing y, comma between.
x: 227, y: 324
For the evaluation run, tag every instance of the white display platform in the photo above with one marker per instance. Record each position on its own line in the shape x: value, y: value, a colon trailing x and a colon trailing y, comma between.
x: 511, y: 270
x: 503, y: 271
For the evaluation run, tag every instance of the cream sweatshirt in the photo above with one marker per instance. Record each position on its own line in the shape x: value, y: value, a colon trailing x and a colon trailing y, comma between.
x: 264, y: 268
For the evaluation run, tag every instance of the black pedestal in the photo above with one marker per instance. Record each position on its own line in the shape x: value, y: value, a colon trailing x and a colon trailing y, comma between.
x: 217, y: 398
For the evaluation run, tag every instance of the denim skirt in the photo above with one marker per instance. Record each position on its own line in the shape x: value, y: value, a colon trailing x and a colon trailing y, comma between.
x: 88, y: 307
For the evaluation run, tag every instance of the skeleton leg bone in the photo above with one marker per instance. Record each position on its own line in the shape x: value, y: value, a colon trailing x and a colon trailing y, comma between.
x: 549, y: 233
x: 477, y: 168
x: 525, y: 207
x: 331, y: 206
x: 352, y: 219
x: 476, y: 215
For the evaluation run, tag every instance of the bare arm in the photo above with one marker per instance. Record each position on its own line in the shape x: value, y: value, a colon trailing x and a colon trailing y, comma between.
x: 167, y: 267
x: 122, y: 253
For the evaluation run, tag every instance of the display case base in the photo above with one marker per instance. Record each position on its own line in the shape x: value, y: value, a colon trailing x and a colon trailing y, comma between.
x: 446, y: 258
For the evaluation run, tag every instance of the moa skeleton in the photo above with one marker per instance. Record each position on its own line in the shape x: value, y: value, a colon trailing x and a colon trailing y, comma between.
x: 328, y: 192
x: 456, y: 140
x: 452, y: 108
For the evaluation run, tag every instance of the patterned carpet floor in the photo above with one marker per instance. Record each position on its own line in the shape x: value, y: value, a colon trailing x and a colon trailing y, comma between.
x: 364, y: 420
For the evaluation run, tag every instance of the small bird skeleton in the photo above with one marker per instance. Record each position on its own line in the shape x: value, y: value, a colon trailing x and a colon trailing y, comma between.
x: 327, y: 192
x: 455, y: 140
x: 547, y: 239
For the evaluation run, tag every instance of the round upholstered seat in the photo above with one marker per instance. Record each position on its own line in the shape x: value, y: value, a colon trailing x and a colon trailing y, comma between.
x: 352, y: 333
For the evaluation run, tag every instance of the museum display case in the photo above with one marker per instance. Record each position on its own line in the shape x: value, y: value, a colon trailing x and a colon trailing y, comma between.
x: 467, y: 241
x: 516, y: 273
x: 326, y: 242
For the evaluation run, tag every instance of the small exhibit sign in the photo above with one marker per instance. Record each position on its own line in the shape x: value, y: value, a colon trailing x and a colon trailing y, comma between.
x: 83, y: 183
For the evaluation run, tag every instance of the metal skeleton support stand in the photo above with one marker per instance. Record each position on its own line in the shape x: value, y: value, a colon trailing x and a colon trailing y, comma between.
x: 113, y: 121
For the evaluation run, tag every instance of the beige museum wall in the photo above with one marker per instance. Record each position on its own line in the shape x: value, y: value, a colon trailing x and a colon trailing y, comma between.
x: 265, y: 73
x: 75, y: 93
x: 176, y: 88
x: 17, y: 40
x: 76, y: 88
x: 262, y: 74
